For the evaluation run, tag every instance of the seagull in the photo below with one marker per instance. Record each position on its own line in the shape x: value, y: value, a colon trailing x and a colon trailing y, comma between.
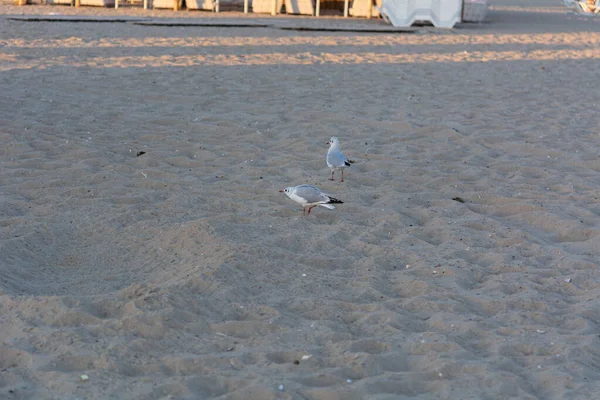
x: 310, y: 196
x: 335, y: 158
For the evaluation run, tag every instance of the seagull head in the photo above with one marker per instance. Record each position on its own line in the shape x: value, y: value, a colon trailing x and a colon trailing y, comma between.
x: 334, y: 142
x: 287, y: 190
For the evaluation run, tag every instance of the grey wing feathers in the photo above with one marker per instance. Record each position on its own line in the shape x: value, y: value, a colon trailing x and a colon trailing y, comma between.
x: 337, y: 159
x: 311, y: 194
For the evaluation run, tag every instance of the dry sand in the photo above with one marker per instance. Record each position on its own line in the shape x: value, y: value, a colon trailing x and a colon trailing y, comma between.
x: 183, y: 273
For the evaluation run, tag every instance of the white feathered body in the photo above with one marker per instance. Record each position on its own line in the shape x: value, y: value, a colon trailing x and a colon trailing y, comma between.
x: 309, y: 195
x: 336, y: 160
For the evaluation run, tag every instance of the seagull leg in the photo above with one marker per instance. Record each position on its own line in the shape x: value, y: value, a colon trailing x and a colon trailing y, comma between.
x: 304, y: 211
x: 332, y: 171
x: 342, y: 176
x: 310, y: 208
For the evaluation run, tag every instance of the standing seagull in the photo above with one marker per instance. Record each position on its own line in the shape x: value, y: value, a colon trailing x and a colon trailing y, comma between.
x: 335, y: 158
x: 310, y: 196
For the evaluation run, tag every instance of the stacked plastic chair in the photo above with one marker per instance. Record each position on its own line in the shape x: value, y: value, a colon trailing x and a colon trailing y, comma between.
x: 474, y: 10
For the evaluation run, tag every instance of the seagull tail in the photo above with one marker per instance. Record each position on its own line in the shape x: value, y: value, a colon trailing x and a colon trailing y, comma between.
x: 335, y: 201
x: 348, y: 162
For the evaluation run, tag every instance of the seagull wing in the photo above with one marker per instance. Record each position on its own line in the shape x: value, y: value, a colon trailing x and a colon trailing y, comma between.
x: 311, y: 194
x: 336, y: 159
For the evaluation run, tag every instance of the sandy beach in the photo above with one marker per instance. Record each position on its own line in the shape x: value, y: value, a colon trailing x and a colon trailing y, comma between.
x: 146, y: 252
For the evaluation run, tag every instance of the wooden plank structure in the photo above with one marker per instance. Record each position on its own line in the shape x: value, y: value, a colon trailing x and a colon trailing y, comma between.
x: 304, y: 7
x: 318, y: 8
x: 274, y: 8
x: 145, y: 4
x: 364, y: 8
x: 175, y: 5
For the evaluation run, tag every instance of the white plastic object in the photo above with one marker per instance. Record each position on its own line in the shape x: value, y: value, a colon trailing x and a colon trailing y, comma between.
x: 404, y: 13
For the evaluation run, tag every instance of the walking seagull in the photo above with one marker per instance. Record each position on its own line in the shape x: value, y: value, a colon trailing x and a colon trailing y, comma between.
x: 335, y: 158
x: 310, y: 196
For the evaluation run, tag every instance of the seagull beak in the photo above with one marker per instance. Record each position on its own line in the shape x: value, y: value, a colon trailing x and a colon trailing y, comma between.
x: 281, y: 191
x: 329, y: 142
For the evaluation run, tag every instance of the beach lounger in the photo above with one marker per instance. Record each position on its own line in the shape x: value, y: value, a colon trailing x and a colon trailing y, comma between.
x: 97, y: 3
x: 267, y: 6
x: 172, y: 4
x: 318, y: 7
x: 59, y: 2
x: 304, y: 7
x: 208, y: 5
x: 365, y: 8
x: 116, y: 3
x: 211, y: 5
